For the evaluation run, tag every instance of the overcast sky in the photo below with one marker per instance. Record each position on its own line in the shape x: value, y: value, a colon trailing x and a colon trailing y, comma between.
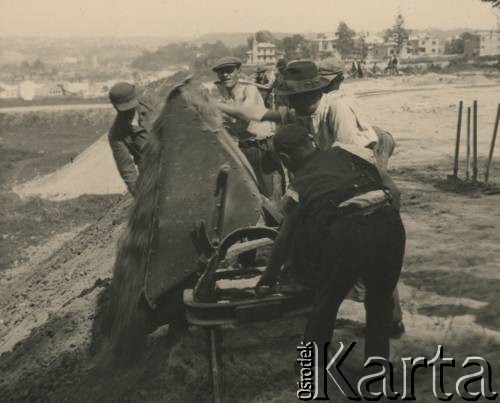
x: 196, y: 17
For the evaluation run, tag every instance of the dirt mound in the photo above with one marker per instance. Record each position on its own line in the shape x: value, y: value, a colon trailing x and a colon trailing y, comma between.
x: 92, y: 172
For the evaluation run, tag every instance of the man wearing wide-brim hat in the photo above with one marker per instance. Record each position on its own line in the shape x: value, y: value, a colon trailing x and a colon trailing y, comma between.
x: 128, y: 134
x: 332, y: 68
x: 254, y: 137
x: 329, y: 119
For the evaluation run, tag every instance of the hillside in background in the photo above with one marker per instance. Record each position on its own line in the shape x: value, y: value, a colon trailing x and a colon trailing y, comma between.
x: 231, y: 39
x: 14, y: 50
x: 123, y: 50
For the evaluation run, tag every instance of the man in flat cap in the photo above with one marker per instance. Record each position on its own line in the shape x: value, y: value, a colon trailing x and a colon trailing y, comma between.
x: 254, y: 138
x: 128, y: 134
x: 343, y: 223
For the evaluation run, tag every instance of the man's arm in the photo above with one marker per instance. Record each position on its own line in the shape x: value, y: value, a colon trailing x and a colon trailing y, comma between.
x: 389, y: 184
x: 281, y: 248
x: 124, y: 163
x: 248, y: 113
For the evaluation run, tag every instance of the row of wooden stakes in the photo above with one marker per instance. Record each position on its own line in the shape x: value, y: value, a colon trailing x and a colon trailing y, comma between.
x: 472, y: 136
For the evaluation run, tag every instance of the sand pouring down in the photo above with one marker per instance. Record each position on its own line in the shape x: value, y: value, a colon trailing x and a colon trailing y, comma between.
x: 92, y: 172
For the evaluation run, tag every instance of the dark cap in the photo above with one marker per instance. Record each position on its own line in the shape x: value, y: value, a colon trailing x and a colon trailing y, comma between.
x: 261, y: 69
x: 289, y: 137
x: 226, y: 61
x: 123, y: 96
x: 301, y: 76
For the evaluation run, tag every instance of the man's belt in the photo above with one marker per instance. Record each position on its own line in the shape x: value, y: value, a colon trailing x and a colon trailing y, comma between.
x: 365, y: 204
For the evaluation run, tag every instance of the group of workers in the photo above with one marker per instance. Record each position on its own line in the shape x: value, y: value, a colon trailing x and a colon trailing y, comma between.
x: 342, y: 233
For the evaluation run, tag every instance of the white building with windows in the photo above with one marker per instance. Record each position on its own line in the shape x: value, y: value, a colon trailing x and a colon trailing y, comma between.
x: 425, y: 45
x: 8, y: 91
x: 262, y: 53
x: 326, y: 43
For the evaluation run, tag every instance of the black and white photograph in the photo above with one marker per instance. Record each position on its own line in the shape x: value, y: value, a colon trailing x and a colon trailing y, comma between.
x: 249, y: 201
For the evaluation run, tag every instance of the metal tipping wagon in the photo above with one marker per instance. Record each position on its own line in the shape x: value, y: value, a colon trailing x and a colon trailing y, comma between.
x: 207, y: 204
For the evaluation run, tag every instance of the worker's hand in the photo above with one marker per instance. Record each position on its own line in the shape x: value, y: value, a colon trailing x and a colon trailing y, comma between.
x: 262, y: 291
x: 265, y: 286
x: 396, y: 199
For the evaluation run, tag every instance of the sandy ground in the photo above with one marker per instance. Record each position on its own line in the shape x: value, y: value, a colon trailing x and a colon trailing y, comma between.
x: 449, y: 286
x: 92, y: 172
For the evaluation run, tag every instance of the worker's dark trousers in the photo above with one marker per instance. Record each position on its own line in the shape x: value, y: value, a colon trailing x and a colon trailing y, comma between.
x: 370, y: 247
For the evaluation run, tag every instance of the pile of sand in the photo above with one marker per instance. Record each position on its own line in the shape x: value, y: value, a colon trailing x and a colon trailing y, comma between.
x: 92, y: 172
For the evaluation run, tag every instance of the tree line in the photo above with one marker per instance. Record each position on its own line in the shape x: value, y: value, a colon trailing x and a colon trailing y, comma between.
x: 347, y: 43
x: 199, y: 56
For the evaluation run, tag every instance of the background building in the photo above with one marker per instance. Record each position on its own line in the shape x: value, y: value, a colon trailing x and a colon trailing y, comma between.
x: 8, y: 91
x: 425, y: 45
x: 484, y: 43
x: 262, y: 53
x: 325, y: 44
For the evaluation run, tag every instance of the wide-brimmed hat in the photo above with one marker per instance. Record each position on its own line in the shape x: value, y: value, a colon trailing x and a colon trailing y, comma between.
x: 301, y: 76
x: 226, y: 61
x: 331, y: 67
x: 261, y: 69
x: 123, y: 96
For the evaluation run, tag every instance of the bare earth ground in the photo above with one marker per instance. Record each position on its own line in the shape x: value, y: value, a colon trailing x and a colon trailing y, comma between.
x: 449, y: 287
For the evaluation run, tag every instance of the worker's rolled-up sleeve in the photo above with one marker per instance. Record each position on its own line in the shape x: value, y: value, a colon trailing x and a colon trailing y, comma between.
x: 124, y: 163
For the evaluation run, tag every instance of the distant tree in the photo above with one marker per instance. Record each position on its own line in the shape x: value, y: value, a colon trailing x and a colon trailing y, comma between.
x: 240, y: 51
x: 361, y: 48
x: 455, y: 46
x: 345, y: 40
x: 210, y: 52
x: 466, y: 35
x: 38, y: 65
x: 264, y: 36
x: 295, y: 47
x: 398, y: 33
x: 261, y: 36
x: 25, y: 66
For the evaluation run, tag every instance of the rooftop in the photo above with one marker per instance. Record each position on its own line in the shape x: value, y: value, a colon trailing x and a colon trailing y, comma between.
x: 265, y: 45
